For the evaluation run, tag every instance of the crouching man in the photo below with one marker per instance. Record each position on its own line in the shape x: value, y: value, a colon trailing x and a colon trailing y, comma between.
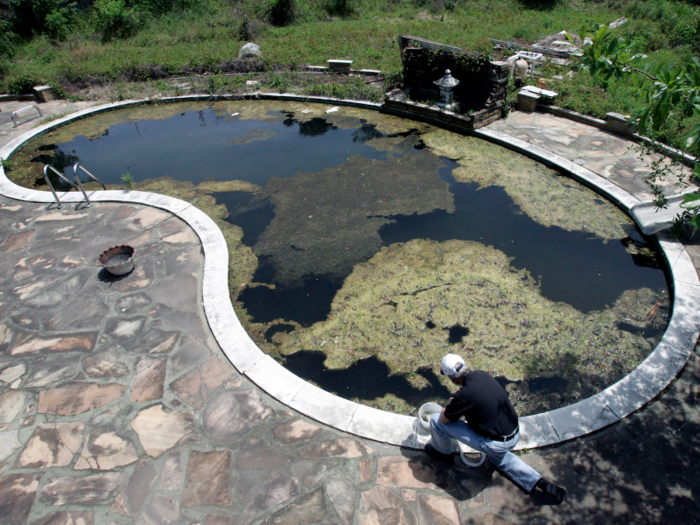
x: 491, y: 426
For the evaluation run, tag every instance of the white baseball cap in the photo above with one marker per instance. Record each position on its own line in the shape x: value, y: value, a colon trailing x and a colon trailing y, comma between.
x: 451, y: 364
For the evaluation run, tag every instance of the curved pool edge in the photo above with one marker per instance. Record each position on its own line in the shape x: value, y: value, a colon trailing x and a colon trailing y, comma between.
x: 623, y: 398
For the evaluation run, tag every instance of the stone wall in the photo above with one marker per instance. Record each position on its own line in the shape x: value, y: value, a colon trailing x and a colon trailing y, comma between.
x: 482, y: 88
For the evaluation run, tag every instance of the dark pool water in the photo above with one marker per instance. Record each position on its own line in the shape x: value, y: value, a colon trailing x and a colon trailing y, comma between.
x: 575, y: 267
x: 572, y: 267
x: 376, y: 381
x: 197, y: 145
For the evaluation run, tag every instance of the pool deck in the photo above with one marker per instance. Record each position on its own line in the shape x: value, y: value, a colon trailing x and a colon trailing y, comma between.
x: 114, y: 393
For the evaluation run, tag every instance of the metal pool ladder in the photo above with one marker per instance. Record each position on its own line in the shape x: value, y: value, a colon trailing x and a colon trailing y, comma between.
x: 16, y: 114
x: 77, y: 184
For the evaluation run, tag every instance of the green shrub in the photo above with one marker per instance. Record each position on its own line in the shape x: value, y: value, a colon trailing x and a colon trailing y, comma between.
x: 161, y: 6
x: 28, y: 17
x: 280, y: 81
x: 128, y: 181
x: 114, y: 19
x: 7, y: 165
x: 7, y: 39
x: 282, y: 12
x: 216, y: 83
x: 250, y: 29
x: 57, y: 24
x: 666, y: 24
x: 351, y: 88
x: 22, y: 85
x: 59, y: 90
x: 340, y: 7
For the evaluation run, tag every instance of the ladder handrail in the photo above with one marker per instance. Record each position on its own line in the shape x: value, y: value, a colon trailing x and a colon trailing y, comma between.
x: 16, y: 113
x: 75, y: 174
x: 48, y: 167
x: 77, y: 184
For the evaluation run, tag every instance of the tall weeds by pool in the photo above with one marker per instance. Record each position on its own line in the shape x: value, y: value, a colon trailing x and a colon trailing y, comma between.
x: 75, y: 45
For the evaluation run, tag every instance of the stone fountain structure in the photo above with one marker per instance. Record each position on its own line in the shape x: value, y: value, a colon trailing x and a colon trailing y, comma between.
x: 477, y: 87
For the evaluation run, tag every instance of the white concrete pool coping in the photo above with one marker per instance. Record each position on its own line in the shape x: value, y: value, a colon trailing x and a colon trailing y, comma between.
x: 623, y: 398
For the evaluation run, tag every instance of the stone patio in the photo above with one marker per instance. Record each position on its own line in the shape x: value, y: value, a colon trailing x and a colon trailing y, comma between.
x: 114, y: 390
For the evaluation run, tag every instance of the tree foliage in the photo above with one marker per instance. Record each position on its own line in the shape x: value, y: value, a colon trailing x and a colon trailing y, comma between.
x: 668, y: 90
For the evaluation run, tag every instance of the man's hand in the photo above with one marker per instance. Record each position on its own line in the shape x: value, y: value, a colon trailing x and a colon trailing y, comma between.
x: 443, y: 419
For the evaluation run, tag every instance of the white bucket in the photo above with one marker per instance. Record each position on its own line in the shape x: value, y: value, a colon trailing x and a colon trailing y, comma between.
x: 465, y: 460
x: 423, y: 411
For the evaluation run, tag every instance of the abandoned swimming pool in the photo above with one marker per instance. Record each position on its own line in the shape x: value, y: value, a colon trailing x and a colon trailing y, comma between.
x: 385, y: 242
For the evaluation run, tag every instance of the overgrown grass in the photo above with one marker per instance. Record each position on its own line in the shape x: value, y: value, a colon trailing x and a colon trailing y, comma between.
x: 167, y: 38
x: 209, y: 34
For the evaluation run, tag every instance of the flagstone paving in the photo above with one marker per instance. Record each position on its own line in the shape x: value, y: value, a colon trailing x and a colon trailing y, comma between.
x: 606, y: 154
x: 117, y: 406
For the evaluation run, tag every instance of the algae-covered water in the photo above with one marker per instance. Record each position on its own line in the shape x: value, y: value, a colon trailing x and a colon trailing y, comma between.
x: 363, y: 247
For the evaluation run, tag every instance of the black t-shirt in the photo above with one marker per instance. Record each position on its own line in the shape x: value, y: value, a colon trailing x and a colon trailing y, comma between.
x: 485, y: 406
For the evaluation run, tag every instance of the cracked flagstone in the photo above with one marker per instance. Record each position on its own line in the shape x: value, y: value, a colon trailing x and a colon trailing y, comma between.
x: 11, y: 403
x: 171, y: 478
x: 130, y: 501
x: 9, y: 443
x: 196, y: 387
x: 438, y: 510
x: 336, y: 448
x: 16, y: 242
x: 160, y: 429
x: 17, y: 493
x: 75, y: 398
x: 278, y: 488
x: 107, y: 363
x: 67, y: 518
x: 209, y: 481
x: 147, y: 381
x: 51, y: 372
x: 310, y: 508
x: 104, y: 449
x: 230, y: 415
x: 380, y: 506
x: 418, y: 472
x: 28, y: 344
x: 70, y: 490
x: 52, y: 445
x: 255, y: 454
x: 341, y: 495
x: 163, y: 510
x: 294, y: 432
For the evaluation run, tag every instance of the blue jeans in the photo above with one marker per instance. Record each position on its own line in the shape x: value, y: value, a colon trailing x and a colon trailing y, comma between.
x: 498, y: 452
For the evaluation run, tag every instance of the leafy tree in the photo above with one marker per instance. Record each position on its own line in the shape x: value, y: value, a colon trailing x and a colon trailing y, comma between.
x: 115, y: 19
x: 669, y: 91
x: 30, y: 17
x: 7, y: 38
